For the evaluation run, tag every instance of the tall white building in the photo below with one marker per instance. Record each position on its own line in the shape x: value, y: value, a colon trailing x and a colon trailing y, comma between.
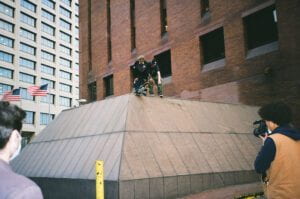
x: 39, y: 43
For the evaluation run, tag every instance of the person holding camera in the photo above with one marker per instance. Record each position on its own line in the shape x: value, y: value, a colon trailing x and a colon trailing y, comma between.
x: 13, y: 185
x: 155, y: 78
x: 279, y: 158
x: 140, y: 73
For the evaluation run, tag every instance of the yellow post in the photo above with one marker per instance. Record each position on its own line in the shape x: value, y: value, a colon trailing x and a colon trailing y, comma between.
x: 99, y: 179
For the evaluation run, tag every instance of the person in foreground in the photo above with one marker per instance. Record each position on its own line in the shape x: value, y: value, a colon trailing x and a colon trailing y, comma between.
x: 279, y: 158
x: 13, y: 185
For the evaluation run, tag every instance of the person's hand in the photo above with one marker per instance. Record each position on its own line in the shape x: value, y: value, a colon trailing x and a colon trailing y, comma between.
x: 151, y: 81
x: 264, y: 137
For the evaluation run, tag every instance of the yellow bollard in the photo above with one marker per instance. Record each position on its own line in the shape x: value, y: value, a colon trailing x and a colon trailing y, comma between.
x: 99, y: 179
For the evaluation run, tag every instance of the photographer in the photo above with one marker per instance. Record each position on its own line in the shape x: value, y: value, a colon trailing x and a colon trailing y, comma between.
x: 279, y: 157
x: 12, y: 185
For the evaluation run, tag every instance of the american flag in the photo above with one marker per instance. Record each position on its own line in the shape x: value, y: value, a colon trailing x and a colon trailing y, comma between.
x: 13, y: 95
x: 38, y: 90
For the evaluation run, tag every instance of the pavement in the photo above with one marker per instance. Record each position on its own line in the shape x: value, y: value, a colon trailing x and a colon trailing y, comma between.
x: 229, y: 192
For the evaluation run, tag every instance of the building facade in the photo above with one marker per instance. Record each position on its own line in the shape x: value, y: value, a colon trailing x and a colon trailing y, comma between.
x: 39, y: 44
x: 242, y: 52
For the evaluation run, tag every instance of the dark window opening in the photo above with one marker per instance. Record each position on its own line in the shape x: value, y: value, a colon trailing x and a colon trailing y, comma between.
x: 213, y: 48
x: 132, y: 24
x: 109, y: 85
x: 92, y: 88
x: 26, y: 137
x: 90, y: 33
x: 204, y: 7
x: 109, y: 56
x: 261, y: 27
x: 164, y: 63
x: 163, y: 17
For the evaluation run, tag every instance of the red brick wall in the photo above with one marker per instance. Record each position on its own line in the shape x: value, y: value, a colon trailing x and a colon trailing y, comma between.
x: 240, y: 81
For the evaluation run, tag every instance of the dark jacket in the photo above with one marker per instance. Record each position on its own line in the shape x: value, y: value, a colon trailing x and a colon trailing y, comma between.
x: 141, y: 70
x: 14, y: 186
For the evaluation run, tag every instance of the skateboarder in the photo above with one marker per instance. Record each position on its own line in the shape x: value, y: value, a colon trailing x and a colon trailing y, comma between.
x: 141, y: 74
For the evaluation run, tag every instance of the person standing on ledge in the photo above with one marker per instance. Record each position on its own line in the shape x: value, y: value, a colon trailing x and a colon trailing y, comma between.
x: 140, y: 74
x: 13, y: 185
x: 155, y: 78
x: 279, y: 158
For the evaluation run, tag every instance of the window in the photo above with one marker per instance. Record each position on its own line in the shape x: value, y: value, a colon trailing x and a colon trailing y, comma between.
x: 49, y: 3
x: 28, y: 20
x: 76, y: 67
x: 7, y: 10
x: 47, y: 69
x: 109, y: 85
x: 213, y: 46
x: 76, y: 20
x: 65, y: 37
x: 48, y: 15
x: 65, y: 75
x: 27, y: 63
x: 48, y: 56
x: 46, y: 118
x: 6, y: 41
x: 163, y: 17
x: 66, y: 2
x: 65, y: 87
x: 65, y: 101
x: 76, y: 43
x: 49, y: 99
x: 65, y: 62
x: 6, y: 57
x: 109, y: 53
x: 261, y: 27
x: 4, y: 88
x: 164, y: 62
x: 27, y: 49
x: 132, y: 24
x: 76, y: 78
x: 48, y: 43
x: 4, y: 72
x: 4, y: 25
x: 76, y: 56
x: 48, y: 29
x: 92, y: 89
x: 27, y: 78
x: 29, y: 119
x: 66, y: 50
x: 26, y: 137
x: 28, y: 5
x: 51, y: 84
x: 65, y: 12
x: 76, y: 31
x: 77, y: 8
x: 27, y: 34
x: 65, y: 24
x: 204, y: 6
x: 25, y: 95
x: 76, y: 91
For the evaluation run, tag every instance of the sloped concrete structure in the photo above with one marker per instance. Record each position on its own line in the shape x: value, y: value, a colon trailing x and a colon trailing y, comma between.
x: 152, y: 148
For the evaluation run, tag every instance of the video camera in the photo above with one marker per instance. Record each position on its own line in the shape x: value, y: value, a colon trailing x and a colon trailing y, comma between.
x: 261, y: 128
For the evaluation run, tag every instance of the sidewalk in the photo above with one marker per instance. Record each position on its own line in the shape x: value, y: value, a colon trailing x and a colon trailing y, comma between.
x: 228, y: 192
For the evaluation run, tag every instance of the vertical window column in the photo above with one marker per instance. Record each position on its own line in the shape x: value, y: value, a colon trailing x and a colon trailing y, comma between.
x: 132, y: 24
x: 163, y: 17
x: 109, y: 54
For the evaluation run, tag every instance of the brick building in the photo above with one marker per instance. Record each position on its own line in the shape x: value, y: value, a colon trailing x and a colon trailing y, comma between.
x: 214, y: 50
